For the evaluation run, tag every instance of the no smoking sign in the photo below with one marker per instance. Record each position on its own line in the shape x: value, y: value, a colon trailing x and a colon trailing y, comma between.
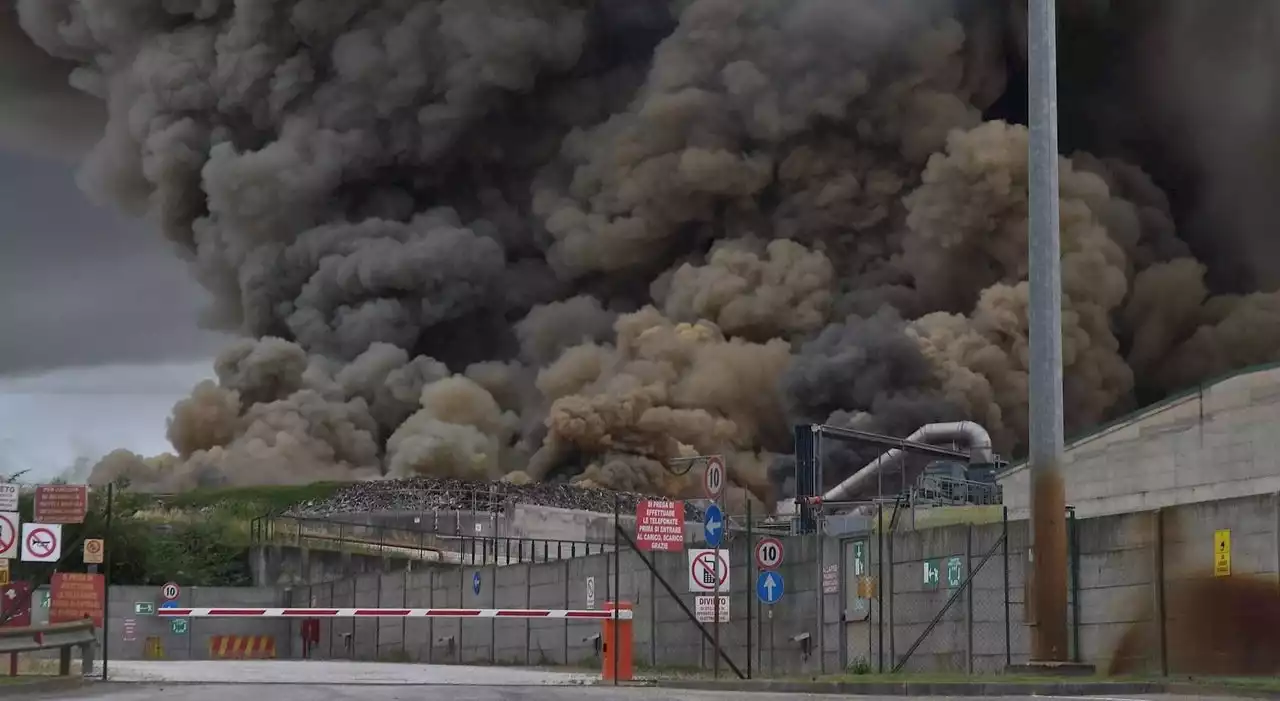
x: 41, y: 542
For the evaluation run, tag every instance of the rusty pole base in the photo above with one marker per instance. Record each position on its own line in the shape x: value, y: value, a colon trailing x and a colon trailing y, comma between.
x: 1053, y: 669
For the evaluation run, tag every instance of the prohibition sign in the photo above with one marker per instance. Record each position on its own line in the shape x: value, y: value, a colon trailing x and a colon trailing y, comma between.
x: 170, y: 591
x: 41, y: 542
x: 8, y: 534
x: 769, y: 553
x: 709, y: 571
x: 713, y: 477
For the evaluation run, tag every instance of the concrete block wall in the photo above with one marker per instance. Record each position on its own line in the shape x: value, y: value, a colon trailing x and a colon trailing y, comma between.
x: 194, y: 644
x: 1129, y: 567
x: 1216, y: 442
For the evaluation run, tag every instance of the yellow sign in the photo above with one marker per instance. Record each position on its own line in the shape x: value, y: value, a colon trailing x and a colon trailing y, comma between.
x: 93, y: 548
x: 154, y: 651
x: 4, y: 576
x: 866, y: 587
x: 1222, y: 553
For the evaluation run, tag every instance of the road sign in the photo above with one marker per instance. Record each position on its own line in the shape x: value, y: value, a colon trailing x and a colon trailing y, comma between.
x: 4, y: 572
x: 704, y: 566
x: 61, y: 503
x: 475, y: 583
x: 75, y: 596
x: 705, y: 609
x: 41, y: 542
x: 955, y: 571
x: 170, y: 591
x: 1222, y: 553
x: 9, y: 529
x: 144, y: 608
x: 591, y: 592
x: 713, y: 477
x: 178, y: 626
x: 660, y: 525
x: 769, y: 553
x: 170, y: 604
x: 93, y: 551
x: 8, y: 496
x: 713, y: 526
x: 769, y: 587
x: 931, y: 574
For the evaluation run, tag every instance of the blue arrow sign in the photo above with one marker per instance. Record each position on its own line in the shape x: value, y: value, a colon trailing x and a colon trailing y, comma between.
x: 713, y: 527
x: 475, y: 583
x: 169, y: 605
x: 769, y: 587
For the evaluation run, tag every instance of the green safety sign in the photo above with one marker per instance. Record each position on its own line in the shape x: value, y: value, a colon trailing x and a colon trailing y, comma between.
x: 859, y: 558
x: 144, y: 608
x: 931, y: 574
x: 178, y: 626
x: 44, y: 599
x: 955, y: 571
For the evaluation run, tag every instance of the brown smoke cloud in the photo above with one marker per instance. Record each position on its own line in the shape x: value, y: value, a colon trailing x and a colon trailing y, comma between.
x: 501, y: 239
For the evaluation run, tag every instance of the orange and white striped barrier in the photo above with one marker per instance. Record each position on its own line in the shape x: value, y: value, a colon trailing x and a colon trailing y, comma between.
x: 242, y: 647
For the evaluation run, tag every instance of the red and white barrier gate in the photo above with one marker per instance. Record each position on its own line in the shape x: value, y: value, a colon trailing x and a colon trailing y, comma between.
x: 616, y: 623
x: 619, y: 615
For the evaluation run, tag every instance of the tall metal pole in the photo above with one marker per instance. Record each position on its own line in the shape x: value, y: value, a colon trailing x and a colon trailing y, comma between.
x: 1048, y: 502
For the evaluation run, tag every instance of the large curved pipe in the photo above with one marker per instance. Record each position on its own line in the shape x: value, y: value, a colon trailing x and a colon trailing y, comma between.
x: 967, y: 432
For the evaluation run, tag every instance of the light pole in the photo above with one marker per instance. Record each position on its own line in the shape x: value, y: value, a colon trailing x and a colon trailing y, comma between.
x: 1048, y: 501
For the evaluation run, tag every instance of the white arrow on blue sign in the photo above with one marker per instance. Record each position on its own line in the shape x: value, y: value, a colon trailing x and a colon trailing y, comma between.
x: 713, y: 527
x: 475, y: 583
x: 171, y: 604
x: 769, y: 587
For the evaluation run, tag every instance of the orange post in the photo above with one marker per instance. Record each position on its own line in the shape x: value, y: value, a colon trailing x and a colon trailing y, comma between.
x: 623, y: 647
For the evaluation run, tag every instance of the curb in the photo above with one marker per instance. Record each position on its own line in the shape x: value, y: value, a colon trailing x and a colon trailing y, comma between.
x: 1184, y: 689
x: 927, y: 688
x: 42, y: 686
x: 970, y: 688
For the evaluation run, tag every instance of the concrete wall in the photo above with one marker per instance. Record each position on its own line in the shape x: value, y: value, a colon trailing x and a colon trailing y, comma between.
x: 1216, y: 442
x: 194, y: 644
x: 1139, y: 576
x: 563, y: 584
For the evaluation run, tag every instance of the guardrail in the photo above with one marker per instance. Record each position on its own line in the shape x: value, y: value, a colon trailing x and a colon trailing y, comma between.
x: 56, y: 636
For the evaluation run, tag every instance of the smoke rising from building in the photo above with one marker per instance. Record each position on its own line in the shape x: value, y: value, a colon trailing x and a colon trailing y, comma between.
x: 546, y: 239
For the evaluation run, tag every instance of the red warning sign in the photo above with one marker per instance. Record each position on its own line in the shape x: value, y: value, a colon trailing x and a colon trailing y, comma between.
x: 660, y: 526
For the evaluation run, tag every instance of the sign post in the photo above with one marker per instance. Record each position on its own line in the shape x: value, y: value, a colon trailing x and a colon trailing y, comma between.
x: 713, y: 479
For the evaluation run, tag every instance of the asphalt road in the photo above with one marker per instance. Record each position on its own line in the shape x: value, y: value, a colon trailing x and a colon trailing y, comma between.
x: 277, y: 692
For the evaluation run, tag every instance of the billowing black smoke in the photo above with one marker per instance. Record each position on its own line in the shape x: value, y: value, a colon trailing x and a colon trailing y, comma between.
x: 519, y: 238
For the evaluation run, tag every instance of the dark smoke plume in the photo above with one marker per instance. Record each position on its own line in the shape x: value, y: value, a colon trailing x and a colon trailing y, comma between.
x: 539, y: 239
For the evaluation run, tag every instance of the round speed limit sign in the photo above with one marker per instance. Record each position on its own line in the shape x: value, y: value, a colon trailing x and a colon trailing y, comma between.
x: 170, y: 591
x: 713, y: 477
x: 769, y: 553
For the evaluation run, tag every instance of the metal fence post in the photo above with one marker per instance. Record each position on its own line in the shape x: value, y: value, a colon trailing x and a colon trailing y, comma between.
x: 1008, y: 641
x: 968, y: 600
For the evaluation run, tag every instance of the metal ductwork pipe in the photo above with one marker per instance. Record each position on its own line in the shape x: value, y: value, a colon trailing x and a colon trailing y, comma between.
x: 971, y: 434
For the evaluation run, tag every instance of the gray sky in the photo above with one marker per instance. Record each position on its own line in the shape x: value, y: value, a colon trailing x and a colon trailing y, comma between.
x: 98, y: 334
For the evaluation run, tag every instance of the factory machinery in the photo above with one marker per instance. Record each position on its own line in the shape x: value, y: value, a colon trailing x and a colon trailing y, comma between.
x: 956, y: 476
